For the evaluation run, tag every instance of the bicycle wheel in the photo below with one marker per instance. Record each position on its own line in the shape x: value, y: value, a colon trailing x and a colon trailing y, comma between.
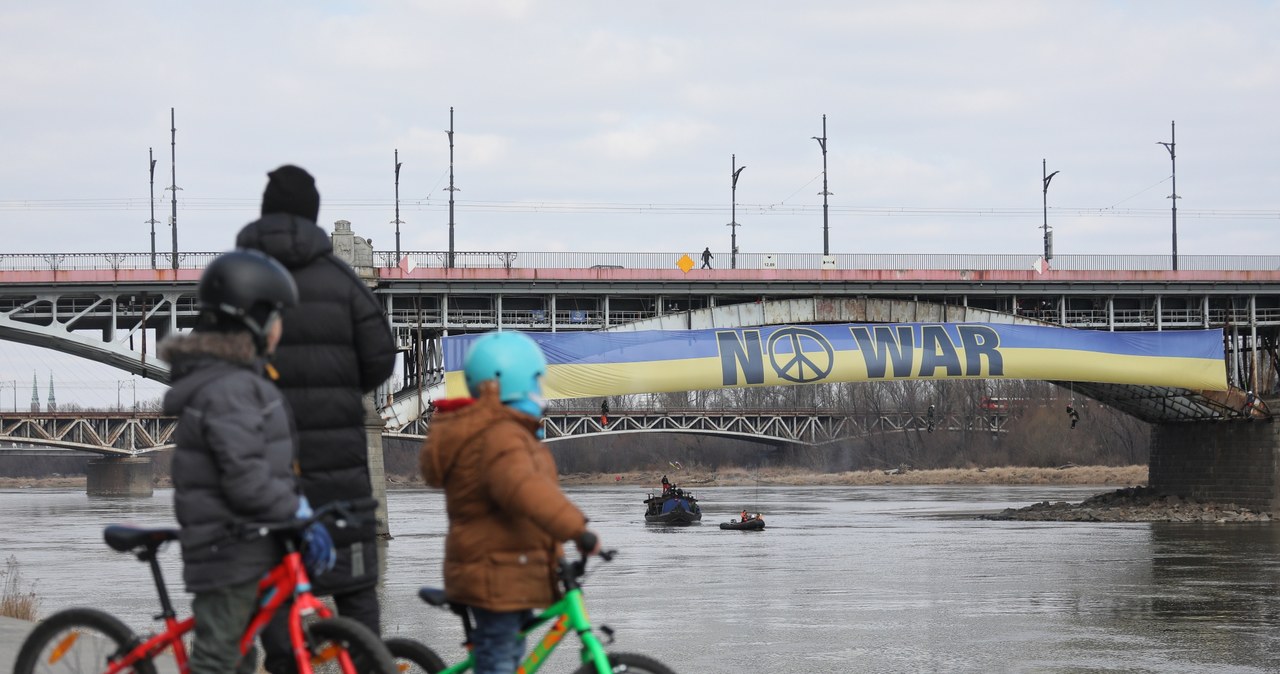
x: 629, y: 662
x: 326, y: 638
x: 411, y: 656
x: 77, y: 640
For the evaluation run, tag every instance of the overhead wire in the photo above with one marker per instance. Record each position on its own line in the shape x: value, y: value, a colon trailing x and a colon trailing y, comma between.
x: 214, y: 204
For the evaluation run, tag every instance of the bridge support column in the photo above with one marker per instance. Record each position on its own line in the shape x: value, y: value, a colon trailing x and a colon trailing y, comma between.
x: 120, y: 477
x: 373, y: 429
x: 1221, y: 462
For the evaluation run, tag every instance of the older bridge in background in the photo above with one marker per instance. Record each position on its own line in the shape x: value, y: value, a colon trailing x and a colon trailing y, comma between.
x: 133, y: 434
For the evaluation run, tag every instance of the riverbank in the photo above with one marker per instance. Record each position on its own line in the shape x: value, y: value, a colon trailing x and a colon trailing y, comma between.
x: 1006, y: 475
x: 728, y: 477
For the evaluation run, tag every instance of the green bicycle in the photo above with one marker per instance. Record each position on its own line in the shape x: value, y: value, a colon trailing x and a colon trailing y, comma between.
x: 566, y: 615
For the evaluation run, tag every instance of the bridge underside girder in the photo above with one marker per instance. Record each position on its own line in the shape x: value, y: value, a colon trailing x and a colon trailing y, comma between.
x: 811, y: 427
x: 1159, y: 404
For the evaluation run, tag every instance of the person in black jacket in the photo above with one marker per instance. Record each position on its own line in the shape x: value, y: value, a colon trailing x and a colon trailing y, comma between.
x: 337, y: 346
x: 233, y: 447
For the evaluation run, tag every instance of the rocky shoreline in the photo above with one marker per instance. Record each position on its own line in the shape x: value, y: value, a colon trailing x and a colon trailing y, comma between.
x: 1132, y: 504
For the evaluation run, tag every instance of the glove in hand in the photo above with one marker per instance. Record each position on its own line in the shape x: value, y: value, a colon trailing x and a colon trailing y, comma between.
x: 318, y: 553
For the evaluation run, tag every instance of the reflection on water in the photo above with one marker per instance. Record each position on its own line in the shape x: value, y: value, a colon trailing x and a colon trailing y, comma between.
x: 866, y: 579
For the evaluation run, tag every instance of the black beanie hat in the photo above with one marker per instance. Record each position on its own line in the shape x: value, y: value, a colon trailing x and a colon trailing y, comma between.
x: 291, y: 190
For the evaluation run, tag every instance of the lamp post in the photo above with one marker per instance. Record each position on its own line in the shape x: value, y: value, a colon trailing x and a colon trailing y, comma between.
x: 173, y: 166
x: 1173, y: 161
x: 397, y: 221
x: 122, y: 384
x: 733, y: 212
x: 153, y: 221
x: 451, y: 188
x: 1048, y: 235
x: 12, y: 383
x: 822, y: 142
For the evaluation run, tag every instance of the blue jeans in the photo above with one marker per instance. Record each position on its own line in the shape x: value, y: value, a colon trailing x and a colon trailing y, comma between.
x: 497, y: 644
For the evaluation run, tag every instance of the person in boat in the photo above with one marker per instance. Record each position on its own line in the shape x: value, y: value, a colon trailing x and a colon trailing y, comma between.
x: 745, y: 516
x: 666, y: 485
x: 759, y: 517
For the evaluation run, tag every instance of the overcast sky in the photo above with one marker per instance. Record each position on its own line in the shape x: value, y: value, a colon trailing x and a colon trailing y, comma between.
x: 590, y: 126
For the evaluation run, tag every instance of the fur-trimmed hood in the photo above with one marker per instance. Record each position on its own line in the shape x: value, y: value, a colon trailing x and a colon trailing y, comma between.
x: 191, y: 354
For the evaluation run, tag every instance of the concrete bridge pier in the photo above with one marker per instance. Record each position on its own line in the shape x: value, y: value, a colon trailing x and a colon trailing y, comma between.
x: 127, y: 476
x: 374, y: 427
x: 1223, y: 462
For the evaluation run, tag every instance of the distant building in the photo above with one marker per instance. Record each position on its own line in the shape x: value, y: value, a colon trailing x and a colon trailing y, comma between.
x: 35, y: 394
x: 356, y: 251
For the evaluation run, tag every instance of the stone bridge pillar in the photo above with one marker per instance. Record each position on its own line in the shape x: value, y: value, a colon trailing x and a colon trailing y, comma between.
x: 111, y: 476
x: 1224, y: 462
x: 374, y: 426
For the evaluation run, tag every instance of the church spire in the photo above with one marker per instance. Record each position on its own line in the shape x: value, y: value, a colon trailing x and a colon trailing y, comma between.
x: 35, y: 393
x: 53, y: 400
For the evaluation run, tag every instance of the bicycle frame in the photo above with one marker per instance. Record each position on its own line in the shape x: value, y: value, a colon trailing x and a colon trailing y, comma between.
x: 287, y: 581
x: 569, y: 613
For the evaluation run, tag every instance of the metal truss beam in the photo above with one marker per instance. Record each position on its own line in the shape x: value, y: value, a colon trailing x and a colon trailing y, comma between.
x: 111, y: 434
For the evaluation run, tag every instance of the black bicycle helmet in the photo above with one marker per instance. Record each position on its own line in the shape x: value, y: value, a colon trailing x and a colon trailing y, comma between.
x: 245, y: 288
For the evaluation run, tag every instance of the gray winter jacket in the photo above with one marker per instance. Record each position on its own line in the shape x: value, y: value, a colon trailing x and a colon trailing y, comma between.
x: 233, y: 457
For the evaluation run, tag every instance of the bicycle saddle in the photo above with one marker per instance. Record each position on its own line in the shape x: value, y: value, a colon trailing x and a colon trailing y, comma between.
x: 433, y: 596
x: 125, y: 538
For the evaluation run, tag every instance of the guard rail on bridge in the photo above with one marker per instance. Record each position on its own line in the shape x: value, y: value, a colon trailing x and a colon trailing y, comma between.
x: 197, y: 260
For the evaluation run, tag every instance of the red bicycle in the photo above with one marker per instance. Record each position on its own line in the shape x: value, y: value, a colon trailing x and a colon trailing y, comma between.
x: 80, y: 640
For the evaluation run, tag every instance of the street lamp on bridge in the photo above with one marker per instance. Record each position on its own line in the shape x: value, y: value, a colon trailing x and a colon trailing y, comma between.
x: 122, y: 384
x: 12, y: 383
x: 398, y: 221
x: 153, y: 221
x: 822, y: 142
x: 733, y: 213
x: 1048, y: 234
x: 1174, y: 196
x: 451, y: 189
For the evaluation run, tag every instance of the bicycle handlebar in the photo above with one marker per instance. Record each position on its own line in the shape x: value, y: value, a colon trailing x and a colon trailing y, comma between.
x: 340, y: 513
x: 572, y: 571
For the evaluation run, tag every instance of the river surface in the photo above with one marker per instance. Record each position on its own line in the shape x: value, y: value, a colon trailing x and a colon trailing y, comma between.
x: 845, y: 579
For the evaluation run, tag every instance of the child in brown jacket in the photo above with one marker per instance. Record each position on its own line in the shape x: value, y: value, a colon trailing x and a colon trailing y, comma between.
x: 507, y: 515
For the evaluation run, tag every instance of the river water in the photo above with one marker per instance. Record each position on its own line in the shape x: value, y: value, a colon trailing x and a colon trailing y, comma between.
x: 845, y: 579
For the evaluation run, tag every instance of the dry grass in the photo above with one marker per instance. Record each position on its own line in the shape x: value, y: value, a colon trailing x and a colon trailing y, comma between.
x: 14, y: 603
x: 1008, y: 475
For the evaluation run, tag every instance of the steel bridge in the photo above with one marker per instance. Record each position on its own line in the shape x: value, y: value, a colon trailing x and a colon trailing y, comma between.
x: 129, y: 435
x: 113, y: 307
x: 809, y: 427
x: 124, y: 434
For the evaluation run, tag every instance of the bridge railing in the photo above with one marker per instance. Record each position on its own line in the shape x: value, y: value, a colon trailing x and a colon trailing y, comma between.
x: 869, y: 261
x: 667, y: 260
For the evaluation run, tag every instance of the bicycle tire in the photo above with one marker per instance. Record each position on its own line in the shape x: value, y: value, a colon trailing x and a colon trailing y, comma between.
x: 367, y: 651
x: 411, y: 656
x: 629, y: 662
x: 66, y: 632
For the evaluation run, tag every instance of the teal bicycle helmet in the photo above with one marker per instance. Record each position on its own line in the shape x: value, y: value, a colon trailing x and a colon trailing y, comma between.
x: 516, y: 362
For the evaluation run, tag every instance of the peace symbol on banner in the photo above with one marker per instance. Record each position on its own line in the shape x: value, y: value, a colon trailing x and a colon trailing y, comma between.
x: 800, y: 364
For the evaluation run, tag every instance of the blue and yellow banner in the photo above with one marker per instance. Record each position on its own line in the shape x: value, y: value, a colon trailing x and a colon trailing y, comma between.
x: 585, y: 364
